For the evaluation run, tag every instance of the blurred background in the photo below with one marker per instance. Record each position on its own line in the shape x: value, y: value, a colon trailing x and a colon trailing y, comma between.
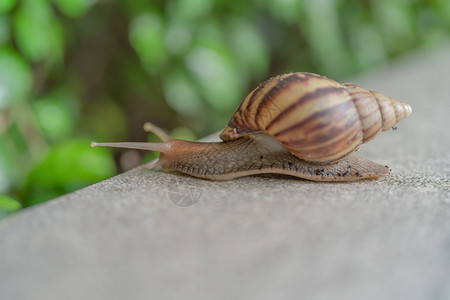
x: 73, y: 71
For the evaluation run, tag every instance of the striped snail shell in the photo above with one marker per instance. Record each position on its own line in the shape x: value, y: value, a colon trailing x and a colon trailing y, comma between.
x: 316, y: 118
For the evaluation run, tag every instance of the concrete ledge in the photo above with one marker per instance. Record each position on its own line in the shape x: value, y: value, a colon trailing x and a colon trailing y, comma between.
x: 152, y: 235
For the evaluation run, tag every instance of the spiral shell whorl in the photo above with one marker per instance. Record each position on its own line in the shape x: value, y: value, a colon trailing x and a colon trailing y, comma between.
x: 377, y: 112
x: 316, y: 118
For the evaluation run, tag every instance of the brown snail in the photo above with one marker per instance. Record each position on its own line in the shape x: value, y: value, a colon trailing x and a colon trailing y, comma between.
x: 299, y: 124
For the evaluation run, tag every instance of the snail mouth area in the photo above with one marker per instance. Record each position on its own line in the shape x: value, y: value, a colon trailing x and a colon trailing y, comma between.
x: 228, y: 133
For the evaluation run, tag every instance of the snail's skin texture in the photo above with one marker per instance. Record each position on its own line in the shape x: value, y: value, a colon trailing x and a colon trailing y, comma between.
x: 252, y: 154
x: 238, y: 158
x: 297, y: 124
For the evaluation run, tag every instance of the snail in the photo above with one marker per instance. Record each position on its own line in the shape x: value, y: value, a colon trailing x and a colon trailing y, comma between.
x: 298, y: 124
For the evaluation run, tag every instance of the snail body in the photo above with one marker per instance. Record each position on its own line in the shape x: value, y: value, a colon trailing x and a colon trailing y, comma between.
x: 298, y: 124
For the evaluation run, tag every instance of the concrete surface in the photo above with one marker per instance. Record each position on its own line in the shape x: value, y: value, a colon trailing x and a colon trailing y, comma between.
x: 151, y: 235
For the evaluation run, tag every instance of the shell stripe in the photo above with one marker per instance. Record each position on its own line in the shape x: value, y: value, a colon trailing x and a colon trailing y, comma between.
x: 271, y: 96
x: 238, y: 118
x: 352, y: 139
x: 279, y: 80
x: 254, y: 94
x: 338, y: 110
x: 372, y: 131
x: 282, y: 84
x: 387, y: 111
x: 399, y: 110
x: 368, y: 110
x: 343, y: 133
x: 243, y: 118
x: 334, y: 150
x: 331, y: 132
x: 250, y: 116
x: 301, y: 101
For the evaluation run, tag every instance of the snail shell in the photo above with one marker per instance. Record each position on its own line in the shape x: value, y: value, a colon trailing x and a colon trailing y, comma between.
x: 316, y: 118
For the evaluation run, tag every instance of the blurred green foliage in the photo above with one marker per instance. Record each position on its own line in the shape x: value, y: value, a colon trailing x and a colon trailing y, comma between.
x: 76, y: 70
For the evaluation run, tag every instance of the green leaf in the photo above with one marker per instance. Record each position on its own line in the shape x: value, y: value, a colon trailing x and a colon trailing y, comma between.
x: 4, y: 29
x: 39, y: 195
x: 15, y: 155
x: 430, y: 26
x: 191, y: 9
x: 72, y: 165
x: 249, y: 46
x: 443, y: 8
x: 368, y: 45
x: 179, y: 37
x: 38, y: 34
x: 181, y: 94
x: 15, y: 78
x: 7, y: 5
x: 287, y: 10
x: 211, y: 34
x: 183, y: 133
x: 395, y: 21
x: 325, y: 38
x: 147, y: 34
x: 138, y: 6
x: 217, y: 74
x: 56, y: 114
x: 17, y: 139
x: 74, y: 8
x: 105, y: 120
x: 9, y: 204
x: 7, y: 166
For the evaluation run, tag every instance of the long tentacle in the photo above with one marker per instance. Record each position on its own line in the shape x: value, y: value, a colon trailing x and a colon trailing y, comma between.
x: 160, y: 147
